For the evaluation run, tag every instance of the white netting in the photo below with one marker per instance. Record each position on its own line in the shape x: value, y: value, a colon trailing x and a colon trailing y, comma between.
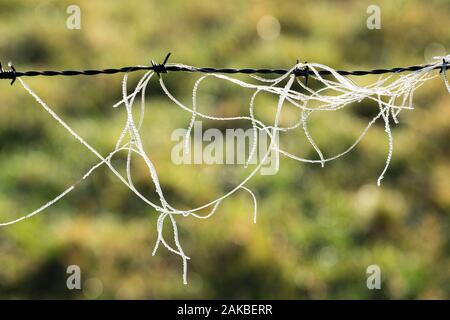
x: 392, y: 94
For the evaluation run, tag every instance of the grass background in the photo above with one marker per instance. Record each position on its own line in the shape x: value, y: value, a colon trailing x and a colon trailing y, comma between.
x: 318, y: 228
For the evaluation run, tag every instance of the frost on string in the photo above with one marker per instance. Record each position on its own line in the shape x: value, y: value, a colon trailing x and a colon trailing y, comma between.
x: 392, y: 94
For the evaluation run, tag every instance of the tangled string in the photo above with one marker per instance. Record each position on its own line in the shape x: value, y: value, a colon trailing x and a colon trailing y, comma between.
x: 392, y: 94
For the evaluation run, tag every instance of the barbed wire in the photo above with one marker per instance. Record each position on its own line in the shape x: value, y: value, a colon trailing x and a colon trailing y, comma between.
x: 159, y: 68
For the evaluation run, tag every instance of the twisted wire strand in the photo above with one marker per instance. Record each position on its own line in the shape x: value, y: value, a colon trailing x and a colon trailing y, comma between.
x: 12, y: 74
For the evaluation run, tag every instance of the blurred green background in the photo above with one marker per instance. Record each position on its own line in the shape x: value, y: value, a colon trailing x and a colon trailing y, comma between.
x: 318, y: 228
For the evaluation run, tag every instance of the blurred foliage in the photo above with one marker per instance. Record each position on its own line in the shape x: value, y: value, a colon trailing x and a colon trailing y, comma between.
x: 318, y: 228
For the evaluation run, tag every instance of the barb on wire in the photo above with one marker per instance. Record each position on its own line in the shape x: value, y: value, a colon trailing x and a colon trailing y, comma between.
x: 159, y: 68
x: 8, y: 74
x: 163, y: 68
x: 444, y: 66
